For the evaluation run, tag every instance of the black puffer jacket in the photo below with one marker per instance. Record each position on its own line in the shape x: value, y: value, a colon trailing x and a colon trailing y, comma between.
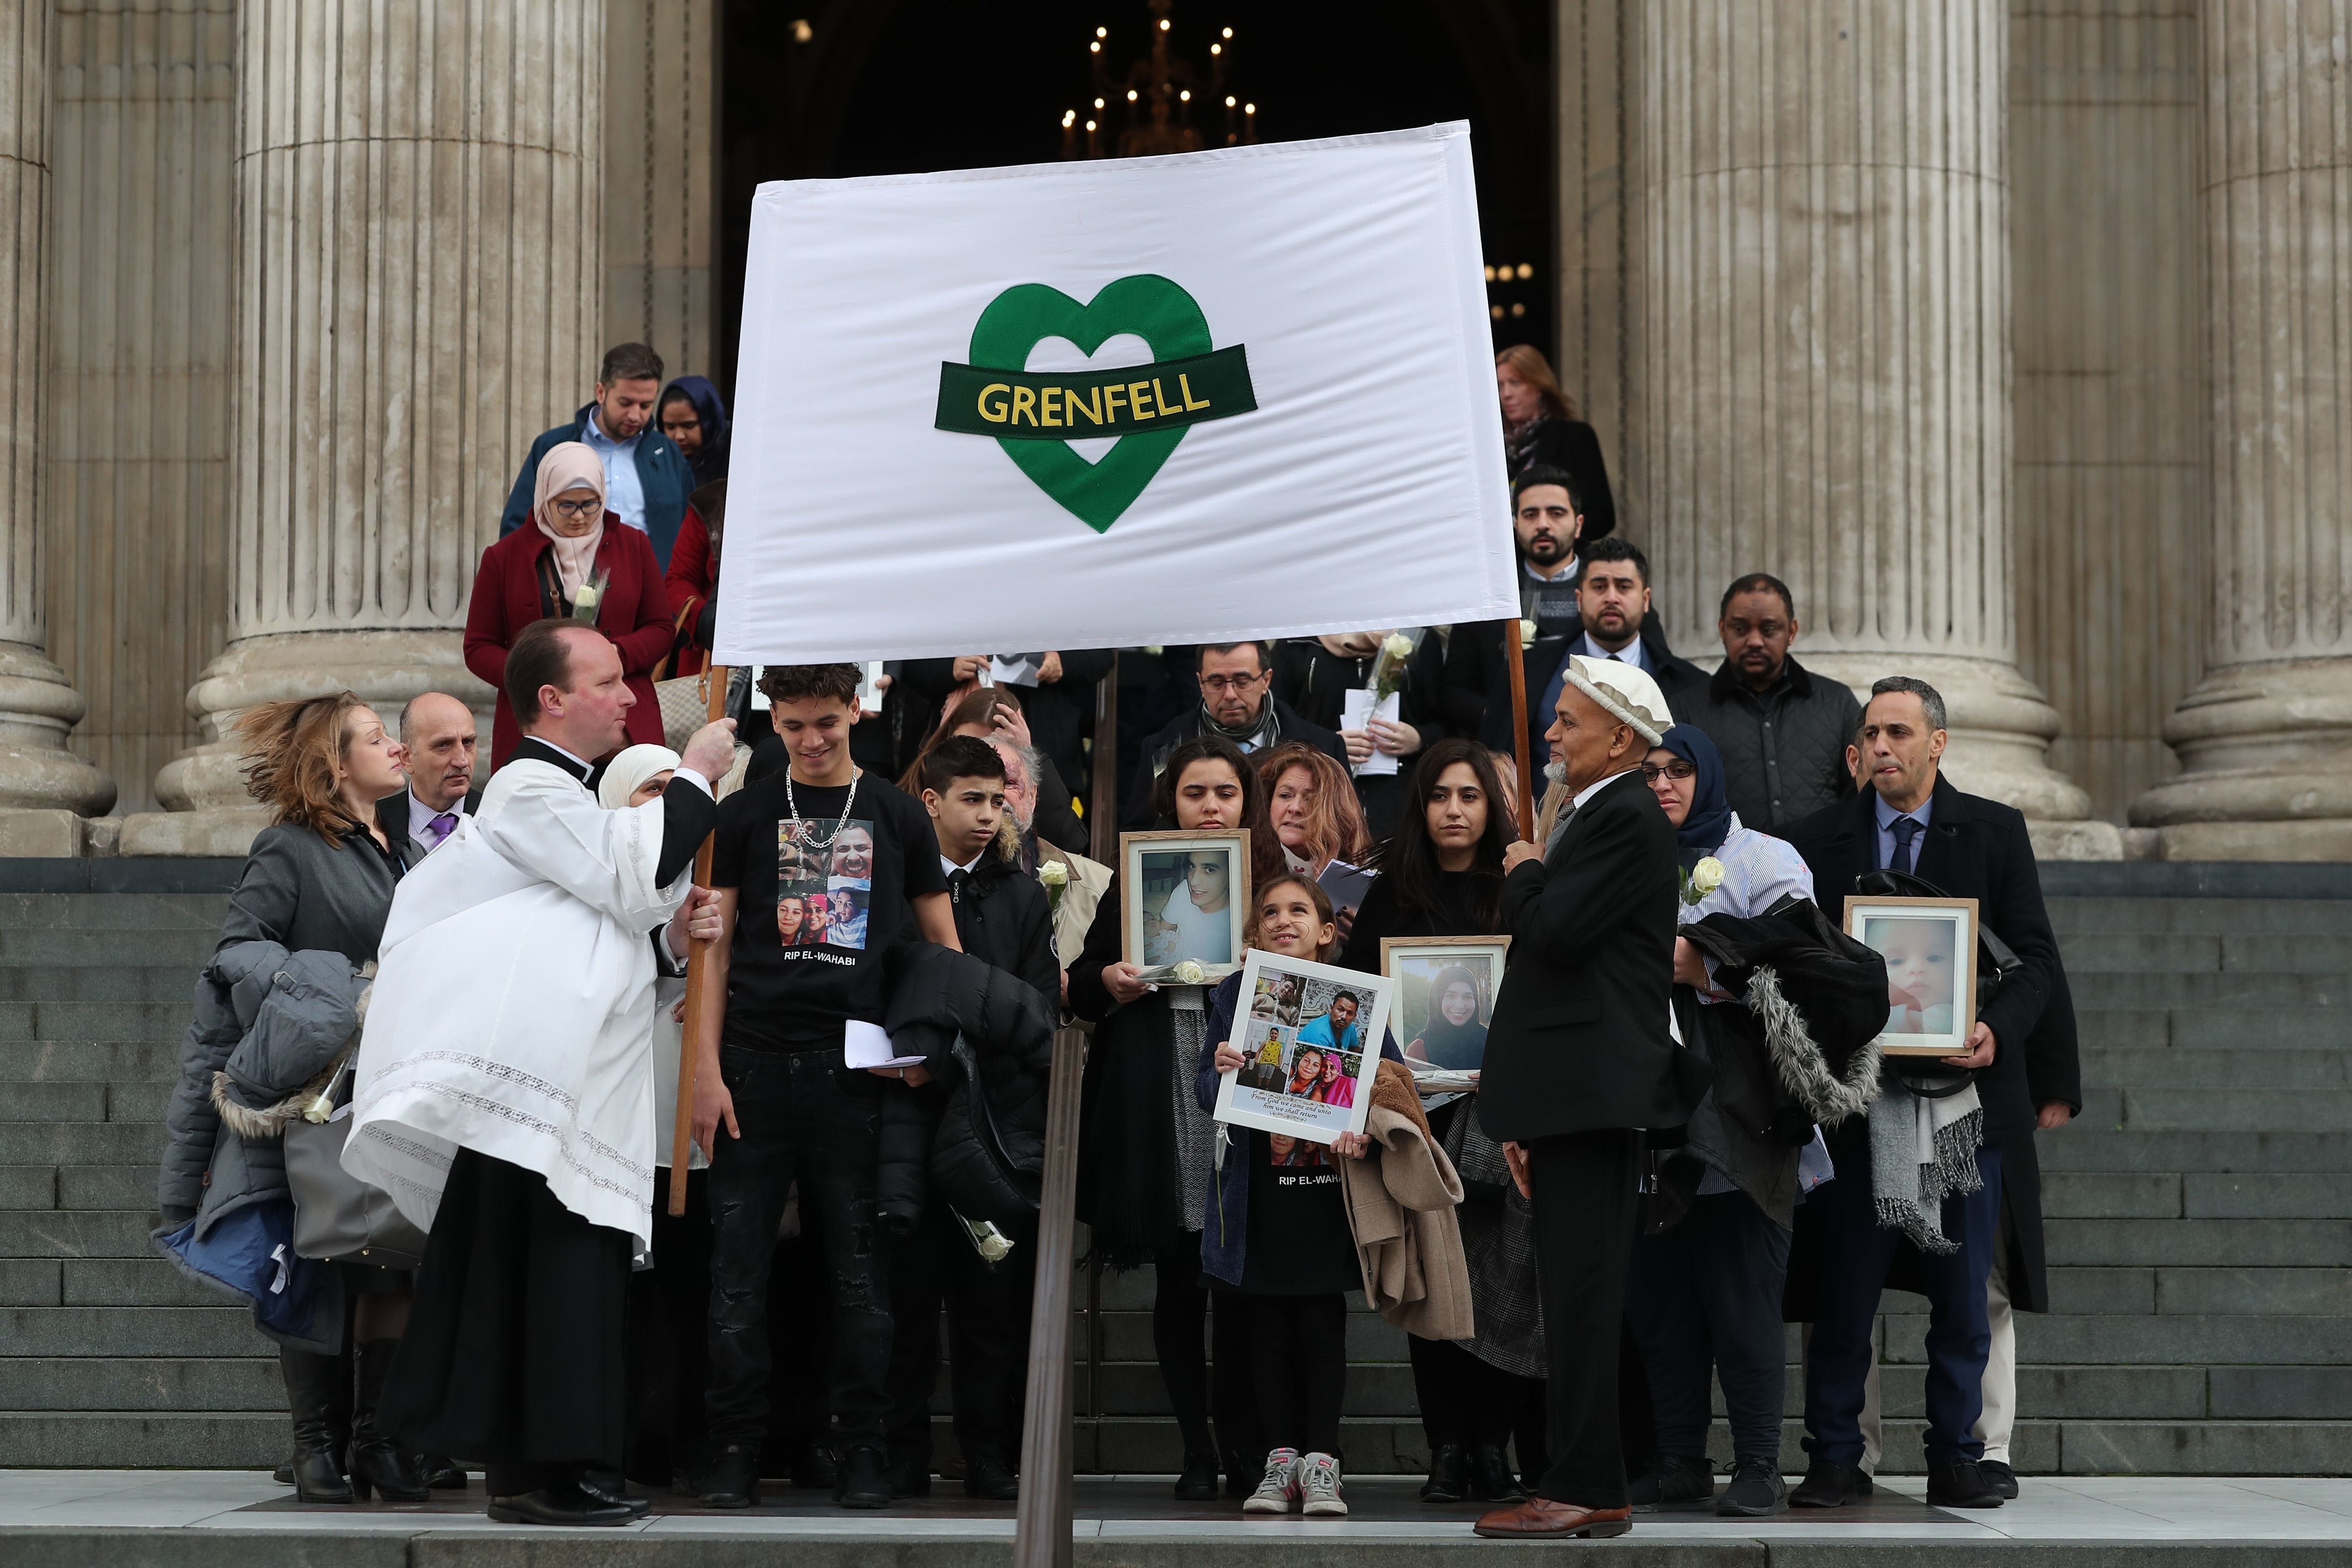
x: 1783, y: 749
x: 987, y: 1153
x: 1818, y: 996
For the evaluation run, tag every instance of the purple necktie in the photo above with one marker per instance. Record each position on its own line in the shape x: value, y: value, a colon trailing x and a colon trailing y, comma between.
x: 439, y: 829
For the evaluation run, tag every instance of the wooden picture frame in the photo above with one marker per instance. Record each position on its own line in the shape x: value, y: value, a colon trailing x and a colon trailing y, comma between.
x: 1402, y: 959
x: 1933, y: 1013
x: 1144, y: 861
x: 1267, y: 1094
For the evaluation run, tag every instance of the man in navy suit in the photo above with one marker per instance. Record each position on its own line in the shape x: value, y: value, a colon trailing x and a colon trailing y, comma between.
x: 1912, y: 819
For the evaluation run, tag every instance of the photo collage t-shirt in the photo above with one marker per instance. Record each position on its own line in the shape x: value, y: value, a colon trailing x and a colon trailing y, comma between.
x: 821, y: 899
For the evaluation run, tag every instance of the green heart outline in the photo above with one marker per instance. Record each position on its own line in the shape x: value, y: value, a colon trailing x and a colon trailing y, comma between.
x: 1153, y: 308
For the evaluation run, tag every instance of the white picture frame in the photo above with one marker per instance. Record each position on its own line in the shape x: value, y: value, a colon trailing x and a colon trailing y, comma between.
x: 1415, y: 963
x: 1932, y: 997
x: 1275, y: 1029
x: 1146, y: 883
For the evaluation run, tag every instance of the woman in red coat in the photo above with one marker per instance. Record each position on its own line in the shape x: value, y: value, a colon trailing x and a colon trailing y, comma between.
x: 536, y: 573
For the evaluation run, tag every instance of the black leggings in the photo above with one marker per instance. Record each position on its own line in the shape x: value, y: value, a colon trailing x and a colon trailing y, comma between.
x: 1298, y: 1348
x: 1180, y: 1313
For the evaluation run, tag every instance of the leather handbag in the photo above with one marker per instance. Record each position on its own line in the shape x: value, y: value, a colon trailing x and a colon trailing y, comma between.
x: 685, y: 703
x: 337, y: 1217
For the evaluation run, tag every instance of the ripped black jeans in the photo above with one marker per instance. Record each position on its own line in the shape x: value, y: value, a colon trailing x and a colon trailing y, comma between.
x: 803, y: 1117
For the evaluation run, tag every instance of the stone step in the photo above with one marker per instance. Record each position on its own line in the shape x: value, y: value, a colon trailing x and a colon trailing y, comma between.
x: 74, y: 1439
x: 101, y: 978
x: 2047, y: 1339
x: 76, y: 1233
x: 148, y: 1383
x: 2184, y: 952
x: 163, y: 1022
x: 2236, y: 991
x: 110, y: 912
x: 86, y: 1102
x: 2236, y: 1110
x: 2214, y: 1028
x: 132, y: 1332
x: 2157, y: 1195
x: 2079, y: 1147
x: 2193, y: 1243
x: 95, y: 1143
x: 2176, y: 1067
x: 2241, y: 917
x: 2197, y: 1292
x: 67, y: 946
x: 90, y: 1061
x: 149, y: 1281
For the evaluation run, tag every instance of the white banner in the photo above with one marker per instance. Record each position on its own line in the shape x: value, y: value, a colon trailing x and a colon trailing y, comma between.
x: 1247, y: 392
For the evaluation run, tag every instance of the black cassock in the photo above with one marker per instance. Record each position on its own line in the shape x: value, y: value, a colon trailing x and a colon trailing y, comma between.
x: 513, y: 1358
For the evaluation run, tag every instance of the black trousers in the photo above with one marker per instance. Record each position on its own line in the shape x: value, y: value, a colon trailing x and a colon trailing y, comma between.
x: 1705, y: 1298
x: 988, y: 1328
x: 800, y: 1349
x: 668, y: 1354
x: 514, y: 1354
x: 802, y: 1117
x: 1298, y: 1355
x: 1180, y: 1317
x: 1586, y: 1196
x: 1467, y: 1401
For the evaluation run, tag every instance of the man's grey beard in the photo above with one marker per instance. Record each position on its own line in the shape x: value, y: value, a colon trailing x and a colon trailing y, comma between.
x: 1556, y: 773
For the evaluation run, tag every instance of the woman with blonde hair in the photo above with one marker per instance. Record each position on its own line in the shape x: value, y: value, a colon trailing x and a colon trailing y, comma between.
x: 1540, y: 429
x: 312, y: 900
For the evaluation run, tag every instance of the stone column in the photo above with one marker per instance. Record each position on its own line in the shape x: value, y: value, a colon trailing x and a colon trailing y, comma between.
x: 1824, y: 292
x: 661, y: 177
x: 2266, y: 741
x: 43, y: 786
x: 419, y: 293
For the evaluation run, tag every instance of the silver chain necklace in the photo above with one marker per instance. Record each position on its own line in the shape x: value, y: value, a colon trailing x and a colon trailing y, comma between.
x: 841, y: 822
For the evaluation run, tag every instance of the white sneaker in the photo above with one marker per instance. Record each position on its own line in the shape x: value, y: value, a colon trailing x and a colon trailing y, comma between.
x: 1318, y: 1484
x: 1279, y: 1489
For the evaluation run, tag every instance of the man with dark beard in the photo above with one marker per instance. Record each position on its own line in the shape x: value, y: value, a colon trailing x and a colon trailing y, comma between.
x: 1547, y: 521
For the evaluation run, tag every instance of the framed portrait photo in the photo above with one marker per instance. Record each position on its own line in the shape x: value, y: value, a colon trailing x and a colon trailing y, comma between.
x: 1444, y: 997
x: 1183, y: 898
x: 1930, y: 948
x: 1309, y: 1035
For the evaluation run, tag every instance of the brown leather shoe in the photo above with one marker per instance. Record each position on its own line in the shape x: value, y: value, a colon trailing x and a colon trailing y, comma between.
x: 1543, y: 1517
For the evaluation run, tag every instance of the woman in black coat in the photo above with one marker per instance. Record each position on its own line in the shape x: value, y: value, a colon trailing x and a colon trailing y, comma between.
x: 1540, y: 429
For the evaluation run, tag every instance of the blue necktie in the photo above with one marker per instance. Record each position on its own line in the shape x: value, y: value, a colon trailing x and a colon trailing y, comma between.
x: 1907, y: 831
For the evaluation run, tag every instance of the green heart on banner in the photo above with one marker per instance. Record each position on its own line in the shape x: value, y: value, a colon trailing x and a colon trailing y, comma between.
x: 1027, y: 412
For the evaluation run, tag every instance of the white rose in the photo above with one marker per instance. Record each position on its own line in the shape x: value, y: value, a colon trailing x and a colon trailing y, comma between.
x: 1190, y: 973
x: 1053, y: 874
x: 1397, y: 645
x: 1706, y: 876
x: 1526, y: 634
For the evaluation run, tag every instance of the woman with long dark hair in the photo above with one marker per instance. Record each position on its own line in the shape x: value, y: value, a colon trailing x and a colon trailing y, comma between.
x: 1145, y: 1144
x: 319, y: 879
x: 1444, y: 876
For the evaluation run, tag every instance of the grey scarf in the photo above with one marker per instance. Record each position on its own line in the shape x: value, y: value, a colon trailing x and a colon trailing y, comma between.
x: 1260, y: 734
x: 1922, y: 1150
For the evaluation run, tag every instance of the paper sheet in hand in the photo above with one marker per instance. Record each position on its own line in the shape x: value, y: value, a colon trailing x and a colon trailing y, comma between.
x: 868, y: 1046
x: 1358, y: 710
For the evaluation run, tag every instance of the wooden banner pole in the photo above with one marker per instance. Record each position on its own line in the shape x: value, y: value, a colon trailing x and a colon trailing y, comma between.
x: 1514, y: 661
x: 681, y: 1146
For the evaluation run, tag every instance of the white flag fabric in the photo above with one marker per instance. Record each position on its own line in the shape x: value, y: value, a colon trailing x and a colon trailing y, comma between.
x: 1245, y: 391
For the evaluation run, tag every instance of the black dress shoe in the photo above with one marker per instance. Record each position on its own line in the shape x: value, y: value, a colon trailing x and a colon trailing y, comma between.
x: 2003, y: 1479
x: 1756, y: 1492
x: 612, y: 1487
x: 732, y: 1480
x: 1829, y: 1484
x: 283, y: 1475
x: 1488, y: 1476
x: 1960, y: 1485
x: 1242, y: 1474
x: 863, y: 1481
x: 1198, y: 1482
x: 442, y: 1473
x: 565, y: 1505
x: 814, y: 1469
x: 1680, y: 1483
x: 1449, y: 1475
x: 990, y: 1478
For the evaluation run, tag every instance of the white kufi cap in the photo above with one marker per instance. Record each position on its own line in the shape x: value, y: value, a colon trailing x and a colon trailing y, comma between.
x: 1624, y: 690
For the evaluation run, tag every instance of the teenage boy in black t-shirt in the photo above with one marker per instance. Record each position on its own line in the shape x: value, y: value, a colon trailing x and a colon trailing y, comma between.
x: 819, y: 869
x: 1004, y: 916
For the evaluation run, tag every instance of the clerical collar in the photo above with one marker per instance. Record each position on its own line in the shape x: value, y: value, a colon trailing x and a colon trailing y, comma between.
x: 584, y: 767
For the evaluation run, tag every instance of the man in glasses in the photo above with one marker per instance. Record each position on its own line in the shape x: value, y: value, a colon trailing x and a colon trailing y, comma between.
x: 1782, y: 730
x: 1237, y: 701
x: 647, y: 477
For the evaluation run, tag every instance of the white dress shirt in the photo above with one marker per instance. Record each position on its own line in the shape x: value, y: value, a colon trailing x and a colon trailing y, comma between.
x: 624, y: 494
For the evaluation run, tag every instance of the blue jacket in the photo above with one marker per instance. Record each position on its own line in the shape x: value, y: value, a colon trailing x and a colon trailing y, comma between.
x: 1225, y: 1233
x: 661, y: 468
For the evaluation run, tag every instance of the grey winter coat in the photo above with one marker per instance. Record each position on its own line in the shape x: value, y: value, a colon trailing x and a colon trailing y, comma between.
x: 270, y: 1028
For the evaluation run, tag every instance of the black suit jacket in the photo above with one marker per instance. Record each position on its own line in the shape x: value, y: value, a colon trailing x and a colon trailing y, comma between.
x: 1578, y: 1042
x: 392, y: 815
x: 1974, y: 849
x: 1138, y: 813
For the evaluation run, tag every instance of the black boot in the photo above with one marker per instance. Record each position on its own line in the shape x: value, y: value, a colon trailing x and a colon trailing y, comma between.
x: 1488, y: 1472
x: 1449, y: 1474
x: 377, y: 1462
x: 1197, y: 1482
x: 310, y: 1400
x: 441, y: 1471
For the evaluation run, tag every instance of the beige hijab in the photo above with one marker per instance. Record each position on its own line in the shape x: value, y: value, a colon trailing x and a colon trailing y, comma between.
x: 566, y: 466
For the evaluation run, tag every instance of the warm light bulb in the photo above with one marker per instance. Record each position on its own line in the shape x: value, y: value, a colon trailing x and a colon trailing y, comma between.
x: 1069, y: 118
x: 1490, y: 275
x: 1216, y: 48
x: 1185, y: 96
x: 1525, y: 270
x: 1228, y: 32
x: 801, y: 31
x: 1163, y: 24
x: 1098, y: 103
x: 1094, y: 49
x: 1102, y: 31
x: 1231, y: 101
x: 1090, y: 125
x: 1249, y: 109
x: 1130, y: 95
x: 1519, y: 310
x: 1496, y: 312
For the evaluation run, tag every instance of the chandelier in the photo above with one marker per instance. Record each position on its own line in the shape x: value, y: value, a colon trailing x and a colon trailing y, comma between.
x: 1156, y: 101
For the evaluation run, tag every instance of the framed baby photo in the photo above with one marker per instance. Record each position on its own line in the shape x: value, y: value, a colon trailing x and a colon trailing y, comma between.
x: 1310, y: 1037
x: 1183, y: 899
x: 1444, y: 997
x: 1930, y: 948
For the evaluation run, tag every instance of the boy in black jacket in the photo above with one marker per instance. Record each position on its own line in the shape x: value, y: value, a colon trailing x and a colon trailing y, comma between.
x: 1004, y: 916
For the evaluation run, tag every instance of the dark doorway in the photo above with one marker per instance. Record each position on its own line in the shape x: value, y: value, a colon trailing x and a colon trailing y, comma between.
x: 875, y: 87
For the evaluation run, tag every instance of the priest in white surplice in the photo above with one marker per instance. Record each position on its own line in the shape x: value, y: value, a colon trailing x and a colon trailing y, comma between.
x: 504, y: 1092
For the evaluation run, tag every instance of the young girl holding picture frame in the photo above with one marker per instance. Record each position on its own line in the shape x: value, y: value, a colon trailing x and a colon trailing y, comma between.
x: 1290, y: 1288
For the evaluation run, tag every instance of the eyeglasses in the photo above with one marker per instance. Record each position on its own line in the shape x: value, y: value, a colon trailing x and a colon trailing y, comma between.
x: 576, y: 509
x: 1221, y: 684
x: 1677, y: 770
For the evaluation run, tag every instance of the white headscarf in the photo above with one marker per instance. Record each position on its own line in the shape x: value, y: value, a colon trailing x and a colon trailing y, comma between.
x: 625, y: 774
x: 569, y: 466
